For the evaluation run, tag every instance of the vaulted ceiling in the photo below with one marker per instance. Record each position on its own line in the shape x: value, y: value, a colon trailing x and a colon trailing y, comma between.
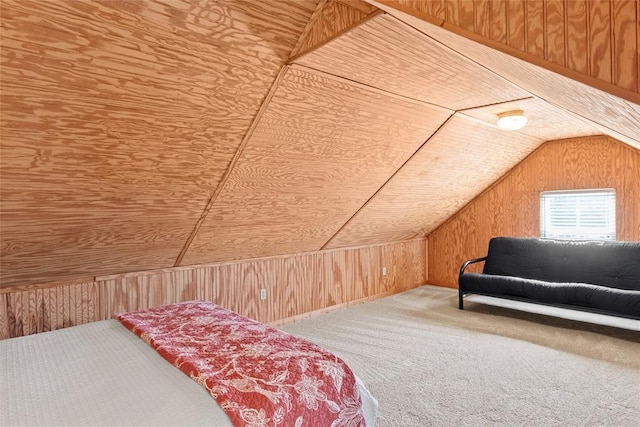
x: 149, y: 134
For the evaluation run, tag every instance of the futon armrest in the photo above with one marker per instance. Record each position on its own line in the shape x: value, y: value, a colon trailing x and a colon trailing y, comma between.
x: 471, y: 261
x: 464, y: 266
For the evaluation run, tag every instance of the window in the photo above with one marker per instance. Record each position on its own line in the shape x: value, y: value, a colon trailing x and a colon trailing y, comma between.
x: 578, y: 214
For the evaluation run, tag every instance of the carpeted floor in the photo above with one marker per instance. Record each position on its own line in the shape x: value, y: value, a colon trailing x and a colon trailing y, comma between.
x: 430, y: 364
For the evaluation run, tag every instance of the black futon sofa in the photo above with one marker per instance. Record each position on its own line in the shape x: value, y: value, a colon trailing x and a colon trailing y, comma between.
x: 601, y: 277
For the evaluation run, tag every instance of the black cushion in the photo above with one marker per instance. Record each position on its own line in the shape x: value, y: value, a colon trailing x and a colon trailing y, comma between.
x: 587, y: 296
x: 611, y: 264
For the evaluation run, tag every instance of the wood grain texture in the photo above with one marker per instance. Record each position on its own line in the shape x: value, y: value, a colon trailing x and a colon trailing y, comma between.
x: 438, y: 9
x: 320, y: 150
x: 545, y: 121
x: 626, y: 26
x: 296, y: 285
x: 511, y: 207
x: 334, y: 18
x: 597, y: 38
x: 386, y: 54
x: 600, y: 44
x: 435, y: 183
x: 466, y: 15
x: 577, y: 36
x: 535, y: 28
x: 482, y: 17
x: 452, y: 11
x: 360, y: 5
x: 516, y: 24
x: 499, y: 21
x: 309, y: 27
x: 118, y: 120
x: 232, y: 164
x: 555, y: 32
x: 613, y: 115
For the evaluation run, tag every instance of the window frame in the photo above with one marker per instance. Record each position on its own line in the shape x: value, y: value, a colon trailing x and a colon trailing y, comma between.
x: 547, y: 230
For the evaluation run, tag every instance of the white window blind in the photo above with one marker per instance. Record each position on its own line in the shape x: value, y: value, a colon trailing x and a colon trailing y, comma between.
x: 578, y: 214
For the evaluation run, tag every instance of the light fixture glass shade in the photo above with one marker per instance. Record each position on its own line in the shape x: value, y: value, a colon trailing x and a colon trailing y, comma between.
x: 512, y: 120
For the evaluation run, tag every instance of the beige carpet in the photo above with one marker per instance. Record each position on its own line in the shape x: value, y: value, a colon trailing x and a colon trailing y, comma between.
x: 430, y: 364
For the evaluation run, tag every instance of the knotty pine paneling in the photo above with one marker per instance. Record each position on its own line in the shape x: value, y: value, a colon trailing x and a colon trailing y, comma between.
x: 596, y: 38
x: 297, y: 285
x: 119, y: 120
x: 387, y: 54
x: 320, y: 150
x: 612, y: 115
x: 511, y: 207
x: 436, y: 182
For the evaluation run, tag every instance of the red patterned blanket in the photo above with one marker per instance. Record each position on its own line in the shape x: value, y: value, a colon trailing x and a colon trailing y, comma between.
x: 259, y: 375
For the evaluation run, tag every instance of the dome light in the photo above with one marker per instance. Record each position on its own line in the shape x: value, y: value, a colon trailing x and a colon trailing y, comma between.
x: 512, y: 120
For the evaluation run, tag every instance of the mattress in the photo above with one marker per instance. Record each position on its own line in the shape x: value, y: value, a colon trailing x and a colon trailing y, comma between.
x: 102, y: 374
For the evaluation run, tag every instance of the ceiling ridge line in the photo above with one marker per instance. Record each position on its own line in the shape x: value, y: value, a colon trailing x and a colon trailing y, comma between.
x: 233, y: 163
x: 306, y: 68
x: 366, y: 203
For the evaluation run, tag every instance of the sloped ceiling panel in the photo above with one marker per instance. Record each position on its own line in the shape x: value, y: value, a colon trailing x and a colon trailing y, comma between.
x: 457, y: 163
x: 118, y: 121
x: 387, y: 54
x: 332, y: 18
x: 468, y: 153
x: 544, y: 121
x: 612, y: 115
x: 320, y: 150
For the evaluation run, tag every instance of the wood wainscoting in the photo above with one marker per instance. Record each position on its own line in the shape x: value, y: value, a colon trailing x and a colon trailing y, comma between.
x: 297, y: 285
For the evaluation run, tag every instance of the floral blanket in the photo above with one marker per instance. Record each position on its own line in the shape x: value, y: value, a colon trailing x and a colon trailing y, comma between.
x: 259, y: 375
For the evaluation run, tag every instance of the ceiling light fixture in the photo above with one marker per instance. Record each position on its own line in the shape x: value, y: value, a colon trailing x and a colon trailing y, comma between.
x: 512, y: 120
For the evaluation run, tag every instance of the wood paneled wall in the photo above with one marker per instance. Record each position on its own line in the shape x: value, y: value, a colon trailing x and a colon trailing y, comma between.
x: 511, y: 206
x: 597, y: 38
x: 296, y: 285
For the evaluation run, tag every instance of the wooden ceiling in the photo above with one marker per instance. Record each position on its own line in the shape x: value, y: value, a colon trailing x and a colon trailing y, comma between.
x: 384, y: 53
x: 614, y: 110
x: 321, y: 149
x: 118, y: 120
x: 143, y: 135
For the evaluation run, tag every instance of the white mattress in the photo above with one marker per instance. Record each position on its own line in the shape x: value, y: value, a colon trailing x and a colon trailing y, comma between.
x: 102, y: 374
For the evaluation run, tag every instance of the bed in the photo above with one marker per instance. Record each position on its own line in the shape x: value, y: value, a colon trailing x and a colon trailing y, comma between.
x: 103, y: 373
